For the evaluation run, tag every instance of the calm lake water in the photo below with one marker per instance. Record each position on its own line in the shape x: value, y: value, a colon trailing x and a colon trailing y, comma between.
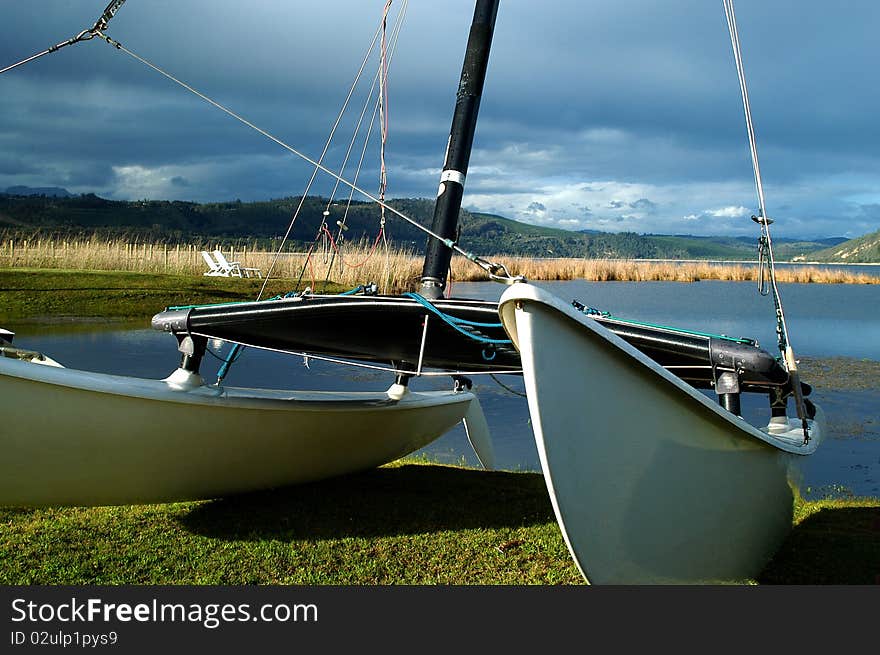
x: 824, y: 321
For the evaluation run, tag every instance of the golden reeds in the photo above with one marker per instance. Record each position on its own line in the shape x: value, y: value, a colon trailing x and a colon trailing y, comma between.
x: 635, y: 270
x: 392, y: 270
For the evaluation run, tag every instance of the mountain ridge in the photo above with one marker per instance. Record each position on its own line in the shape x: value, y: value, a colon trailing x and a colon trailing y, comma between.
x: 38, y: 214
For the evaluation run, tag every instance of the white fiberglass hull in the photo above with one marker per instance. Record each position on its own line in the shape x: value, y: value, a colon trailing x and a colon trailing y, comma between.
x: 651, y: 481
x: 71, y: 437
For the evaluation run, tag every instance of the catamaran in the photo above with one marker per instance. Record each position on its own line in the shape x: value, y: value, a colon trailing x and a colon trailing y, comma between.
x: 651, y: 480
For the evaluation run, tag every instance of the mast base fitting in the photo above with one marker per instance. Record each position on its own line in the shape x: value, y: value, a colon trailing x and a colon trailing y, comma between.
x: 432, y: 288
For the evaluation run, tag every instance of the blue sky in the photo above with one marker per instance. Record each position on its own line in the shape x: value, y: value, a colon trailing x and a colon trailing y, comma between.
x: 616, y: 116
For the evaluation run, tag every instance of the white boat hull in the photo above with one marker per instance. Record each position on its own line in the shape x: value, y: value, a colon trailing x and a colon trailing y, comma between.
x: 72, y: 437
x: 650, y: 480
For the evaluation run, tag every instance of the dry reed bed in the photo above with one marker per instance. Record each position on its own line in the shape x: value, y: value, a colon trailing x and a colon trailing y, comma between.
x: 634, y: 270
x: 393, y: 270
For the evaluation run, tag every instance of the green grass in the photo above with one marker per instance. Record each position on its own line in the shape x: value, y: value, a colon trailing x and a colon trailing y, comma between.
x: 406, y: 523
x: 400, y: 524
x: 50, y: 296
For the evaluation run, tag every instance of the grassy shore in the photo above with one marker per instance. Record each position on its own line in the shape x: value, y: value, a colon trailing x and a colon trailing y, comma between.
x: 46, y: 295
x: 56, y: 296
x: 405, y: 523
x: 393, y: 270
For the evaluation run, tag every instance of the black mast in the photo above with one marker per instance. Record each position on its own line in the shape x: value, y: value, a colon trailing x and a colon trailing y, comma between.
x: 458, y: 150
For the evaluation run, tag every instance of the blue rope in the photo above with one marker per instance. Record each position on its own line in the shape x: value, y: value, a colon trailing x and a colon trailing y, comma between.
x: 460, y: 321
x: 231, y: 358
x: 592, y: 311
x: 367, y: 289
x: 456, y: 323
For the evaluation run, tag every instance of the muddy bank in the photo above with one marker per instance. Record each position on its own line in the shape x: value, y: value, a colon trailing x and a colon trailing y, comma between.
x: 840, y: 373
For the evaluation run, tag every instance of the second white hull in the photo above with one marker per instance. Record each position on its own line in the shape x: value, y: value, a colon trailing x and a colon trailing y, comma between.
x: 650, y: 480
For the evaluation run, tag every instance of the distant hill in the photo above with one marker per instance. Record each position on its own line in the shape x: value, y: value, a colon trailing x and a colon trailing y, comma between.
x: 53, y: 191
x: 864, y: 249
x: 30, y: 215
x: 161, y: 220
x: 739, y: 248
x: 488, y: 234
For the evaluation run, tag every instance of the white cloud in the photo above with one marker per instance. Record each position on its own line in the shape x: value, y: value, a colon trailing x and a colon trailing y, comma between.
x: 728, y: 212
x: 143, y: 182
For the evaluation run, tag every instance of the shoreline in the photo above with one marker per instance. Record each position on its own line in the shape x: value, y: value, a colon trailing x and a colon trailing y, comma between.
x: 396, y: 270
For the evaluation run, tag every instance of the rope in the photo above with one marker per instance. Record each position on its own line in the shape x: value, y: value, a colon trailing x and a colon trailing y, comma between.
x: 231, y: 357
x: 337, y: 251
x: 367, y: 289
x: 456, y: 323
x: 321, y: 227
x: 340, y: 232
x: 592, y: 311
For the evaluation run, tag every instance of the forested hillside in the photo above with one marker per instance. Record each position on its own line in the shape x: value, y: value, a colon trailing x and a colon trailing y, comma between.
x: 57, y: 214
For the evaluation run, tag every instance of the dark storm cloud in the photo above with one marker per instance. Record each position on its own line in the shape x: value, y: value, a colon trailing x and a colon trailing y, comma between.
x: 586, y: 104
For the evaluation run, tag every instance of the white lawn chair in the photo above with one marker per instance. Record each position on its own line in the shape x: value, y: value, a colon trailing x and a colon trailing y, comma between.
x: 236, y: 268
x: 215, y: 268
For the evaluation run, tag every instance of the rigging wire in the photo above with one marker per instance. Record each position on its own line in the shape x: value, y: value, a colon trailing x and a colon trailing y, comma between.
x: 381, y: 79
x: 319, y: 234
x: 236, y: 350
x: 383, y: 111
x: 323, y: 234
x: 765, y: 245
x: 341, y: 224
x: 506, y: 387
x: 317, y: 167
x: 86, y: 35
x: 495, y: 270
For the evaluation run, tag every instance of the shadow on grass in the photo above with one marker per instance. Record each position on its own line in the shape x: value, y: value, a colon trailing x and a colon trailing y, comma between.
x: 408, y: 499
x: 833, y: 546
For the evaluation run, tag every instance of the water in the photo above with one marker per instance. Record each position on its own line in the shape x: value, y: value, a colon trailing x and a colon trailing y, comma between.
x: 825, y: 321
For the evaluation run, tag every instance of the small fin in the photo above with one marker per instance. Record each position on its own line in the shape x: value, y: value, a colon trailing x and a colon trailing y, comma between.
x: 478, y: 435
